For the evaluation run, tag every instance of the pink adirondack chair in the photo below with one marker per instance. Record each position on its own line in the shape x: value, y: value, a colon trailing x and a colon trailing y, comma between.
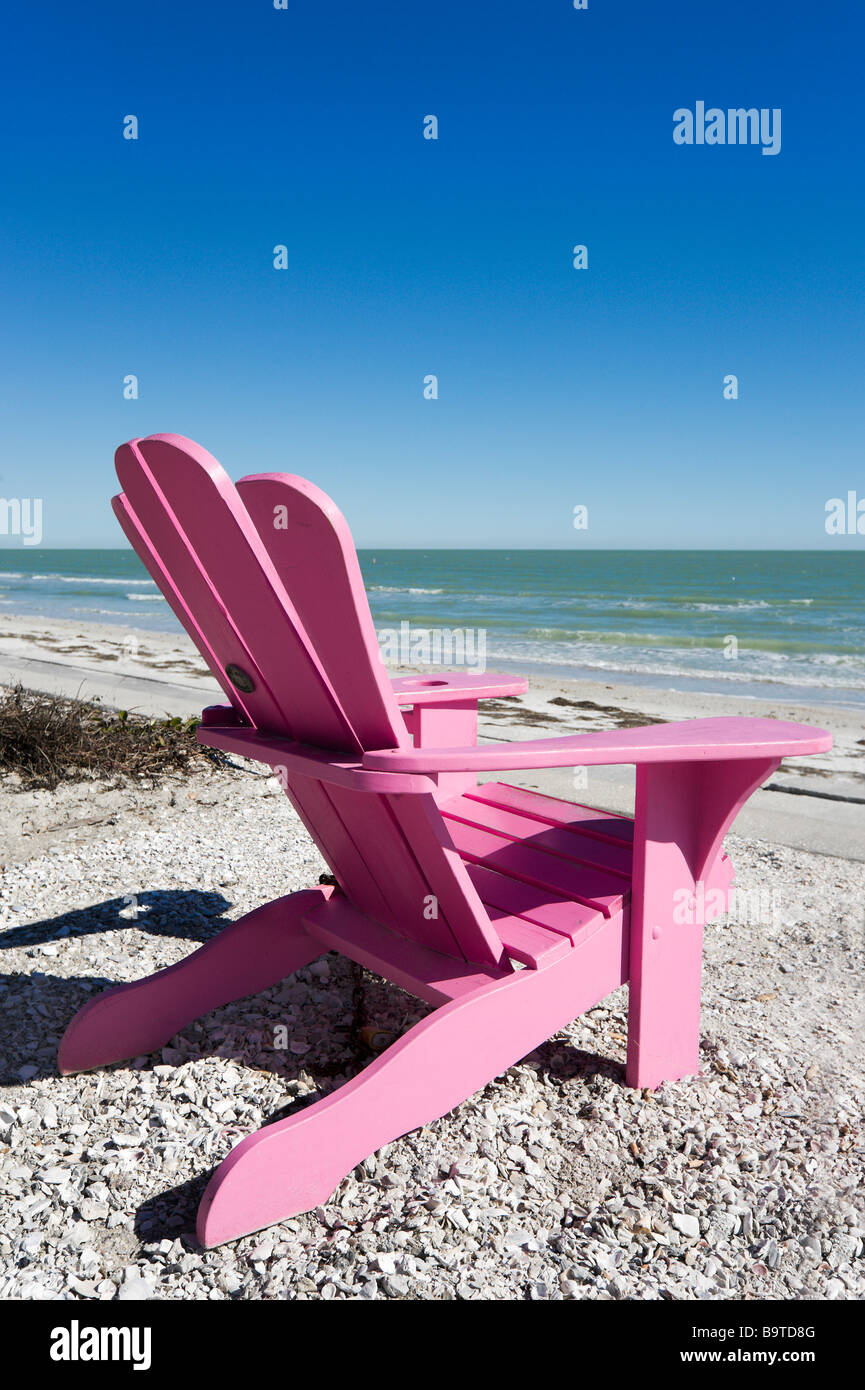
x: 510, y: 911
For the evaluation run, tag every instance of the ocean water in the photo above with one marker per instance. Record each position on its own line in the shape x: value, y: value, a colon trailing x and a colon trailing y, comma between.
x: 661, y: 618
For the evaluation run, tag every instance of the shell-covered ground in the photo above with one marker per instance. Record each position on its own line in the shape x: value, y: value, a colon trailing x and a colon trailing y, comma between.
x: 554, y: 1182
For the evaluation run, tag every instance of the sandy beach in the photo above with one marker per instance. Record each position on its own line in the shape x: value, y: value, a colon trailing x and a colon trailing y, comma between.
x: 817, y: 803
x: 556, y: 1181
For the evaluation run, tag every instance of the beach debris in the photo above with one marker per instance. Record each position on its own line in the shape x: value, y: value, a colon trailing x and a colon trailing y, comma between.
x: 47, y: 739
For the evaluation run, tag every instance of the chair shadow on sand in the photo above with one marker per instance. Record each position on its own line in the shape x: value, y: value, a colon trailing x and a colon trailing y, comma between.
x: 196, y: 916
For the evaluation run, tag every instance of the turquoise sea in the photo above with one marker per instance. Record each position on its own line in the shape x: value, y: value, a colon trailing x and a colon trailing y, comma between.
x: 649, y: 617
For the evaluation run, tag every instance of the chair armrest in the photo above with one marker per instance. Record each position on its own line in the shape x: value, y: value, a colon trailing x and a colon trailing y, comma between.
x: 455, y: 685
x: 288, y: 758
x: 689, y: 740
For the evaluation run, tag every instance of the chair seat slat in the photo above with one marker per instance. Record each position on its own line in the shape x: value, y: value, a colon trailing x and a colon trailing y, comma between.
x: 593, y: 887
x: 563, y: 840
x: 606, y: 825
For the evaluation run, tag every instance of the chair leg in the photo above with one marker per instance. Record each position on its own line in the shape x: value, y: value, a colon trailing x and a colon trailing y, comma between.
x: 247, y: 956
x: 683, y: 811
x: 295, y: 1164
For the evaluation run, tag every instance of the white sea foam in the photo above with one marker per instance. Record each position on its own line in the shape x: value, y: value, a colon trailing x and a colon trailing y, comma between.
x: 80, y: 579
x: 740, y: 606
x: 389, y: 589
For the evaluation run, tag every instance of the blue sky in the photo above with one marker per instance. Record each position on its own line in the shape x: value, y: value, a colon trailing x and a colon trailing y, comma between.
x: 407, y: 257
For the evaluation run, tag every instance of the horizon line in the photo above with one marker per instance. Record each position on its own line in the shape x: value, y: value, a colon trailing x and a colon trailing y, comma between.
x: 501, y: 549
